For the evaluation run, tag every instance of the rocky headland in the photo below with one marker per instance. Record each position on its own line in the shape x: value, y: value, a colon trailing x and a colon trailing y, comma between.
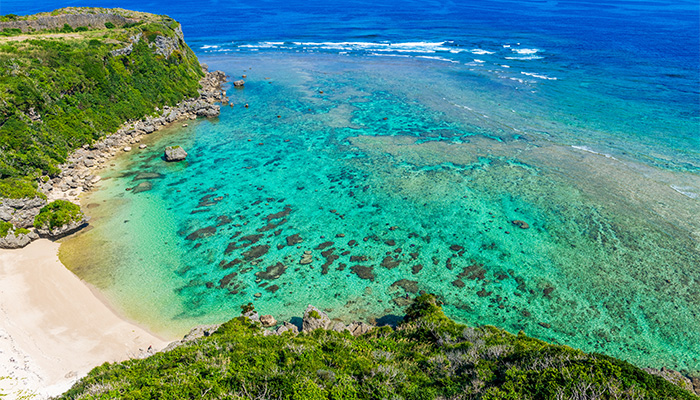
x: 144, y: 36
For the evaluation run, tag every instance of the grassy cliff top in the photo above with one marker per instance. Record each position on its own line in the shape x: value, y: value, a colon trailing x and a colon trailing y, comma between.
x: 135, y: 15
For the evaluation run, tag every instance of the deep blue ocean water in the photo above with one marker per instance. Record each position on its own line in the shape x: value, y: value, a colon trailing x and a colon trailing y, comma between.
x: 399, y: 141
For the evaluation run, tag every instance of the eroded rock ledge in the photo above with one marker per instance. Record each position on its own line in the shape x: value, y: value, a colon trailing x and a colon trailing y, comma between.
x: 313, y: 319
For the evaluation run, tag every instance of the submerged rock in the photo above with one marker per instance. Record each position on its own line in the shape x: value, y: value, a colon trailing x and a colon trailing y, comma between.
x: 521, y: 224
x: 142, y: 187
x: 175, y: 153
x: 363, y: 272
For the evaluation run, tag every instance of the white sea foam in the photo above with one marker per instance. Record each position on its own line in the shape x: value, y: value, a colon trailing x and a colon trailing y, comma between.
x: 589, y: 150
x: 438, y: 58
x: 479, y: 61
x: 534, y: 75
x: 405, y: 47
x: 526, y: 58
x: 505, y: 66
x: 525, y: 51
x: 686, y: 191
x: 209, y: 46
x: 481, y: 51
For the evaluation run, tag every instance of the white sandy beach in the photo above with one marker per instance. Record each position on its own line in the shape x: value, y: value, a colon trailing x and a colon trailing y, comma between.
x: 53, y: 328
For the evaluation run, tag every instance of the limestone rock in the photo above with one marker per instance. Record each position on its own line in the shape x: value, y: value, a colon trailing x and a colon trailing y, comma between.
x: 20, y: 212
x: 200, y: 331
x: 239, y: 83
x: 268, y: 320
x: 253, y: 316
x: 64, y: 230
x: 16, y: 242
x: 337, y: 326
x: 287, y: 327
x: 175, y: 153
x: 195, y: 333
x: 359, y: 328
x: 314, y: 319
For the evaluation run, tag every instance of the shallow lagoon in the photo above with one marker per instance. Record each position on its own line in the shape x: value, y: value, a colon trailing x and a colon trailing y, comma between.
x: 402, y: 175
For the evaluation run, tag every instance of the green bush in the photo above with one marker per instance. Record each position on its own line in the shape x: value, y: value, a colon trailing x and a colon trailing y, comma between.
x: 17, y: 188
x: 5, y: 228
x: 109, y: 25
x: 81, y: 29
x: 8, y: 17
x: 57, y: 213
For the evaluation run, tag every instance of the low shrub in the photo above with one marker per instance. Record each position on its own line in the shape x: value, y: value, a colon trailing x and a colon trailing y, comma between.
x: 58, y: 213
x: 5, y: 228
x: 18, y: 188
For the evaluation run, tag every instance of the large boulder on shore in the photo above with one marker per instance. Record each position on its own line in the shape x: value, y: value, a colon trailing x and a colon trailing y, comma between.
x: 63, y: 230
x: 314, y: 319
x: 175, y: 153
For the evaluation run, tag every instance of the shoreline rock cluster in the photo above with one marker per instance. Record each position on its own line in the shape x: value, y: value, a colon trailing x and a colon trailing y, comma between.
x: 313, y: 319
x: 78, y: 173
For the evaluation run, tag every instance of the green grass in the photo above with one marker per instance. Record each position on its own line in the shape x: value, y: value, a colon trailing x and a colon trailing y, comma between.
x: 428, y: 356
x: 5, y: 228
x: 58, y: 213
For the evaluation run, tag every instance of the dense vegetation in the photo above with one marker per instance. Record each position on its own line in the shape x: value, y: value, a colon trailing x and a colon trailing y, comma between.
x: 58, y: 213
x: 428, y: 356
x: 58, y: 93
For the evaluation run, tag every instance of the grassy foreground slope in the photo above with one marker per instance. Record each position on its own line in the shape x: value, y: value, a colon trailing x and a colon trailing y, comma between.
x: 428, y: 356
x: 64, y: 87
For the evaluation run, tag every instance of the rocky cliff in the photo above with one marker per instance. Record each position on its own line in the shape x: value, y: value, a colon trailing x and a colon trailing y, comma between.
x: 73, y: 20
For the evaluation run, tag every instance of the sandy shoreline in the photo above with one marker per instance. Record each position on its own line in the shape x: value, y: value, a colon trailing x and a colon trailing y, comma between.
x: 53, y: 328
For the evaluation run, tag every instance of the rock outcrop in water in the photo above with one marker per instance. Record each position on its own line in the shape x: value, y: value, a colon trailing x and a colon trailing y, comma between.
x: 175, y: 153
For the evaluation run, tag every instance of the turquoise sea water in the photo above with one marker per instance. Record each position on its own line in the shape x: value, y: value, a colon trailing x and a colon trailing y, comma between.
x: 398, y: 145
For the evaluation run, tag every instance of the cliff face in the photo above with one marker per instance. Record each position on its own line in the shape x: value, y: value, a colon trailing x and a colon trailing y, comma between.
x: 73, y: 20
